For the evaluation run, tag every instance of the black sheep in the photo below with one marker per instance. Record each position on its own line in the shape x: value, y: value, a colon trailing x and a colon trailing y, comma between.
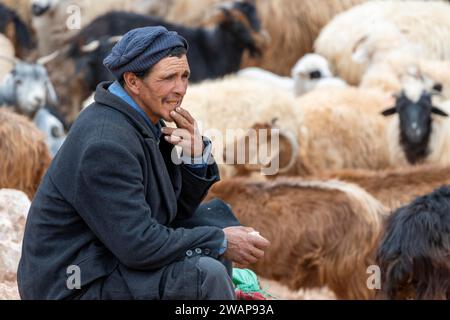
x: 213, y: 52
x: 414, y: 256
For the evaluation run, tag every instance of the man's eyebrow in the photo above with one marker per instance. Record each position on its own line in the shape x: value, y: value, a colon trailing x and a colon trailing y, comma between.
x: 171, y: 74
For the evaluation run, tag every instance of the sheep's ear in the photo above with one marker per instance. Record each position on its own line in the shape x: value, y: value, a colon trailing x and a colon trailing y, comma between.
x: 438, y: 111
x: 52, y: 98
x: 389, y: 112
x: 360, y: 52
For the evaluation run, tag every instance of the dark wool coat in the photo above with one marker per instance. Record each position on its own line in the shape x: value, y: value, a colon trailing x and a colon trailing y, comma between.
x: 107, y: 202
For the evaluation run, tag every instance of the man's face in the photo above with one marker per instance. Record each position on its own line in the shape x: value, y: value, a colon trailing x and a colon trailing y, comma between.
x: 163, y: 89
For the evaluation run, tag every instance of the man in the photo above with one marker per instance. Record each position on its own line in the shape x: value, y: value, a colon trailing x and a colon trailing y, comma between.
x: 115, y: 216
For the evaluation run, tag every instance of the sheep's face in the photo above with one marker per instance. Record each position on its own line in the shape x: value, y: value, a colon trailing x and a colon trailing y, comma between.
x: 308, y: 71
x: 241, y: 20
x: 39, y: 7
x: 28, y: 88
x: 311, y: 66
x: 415, y: 122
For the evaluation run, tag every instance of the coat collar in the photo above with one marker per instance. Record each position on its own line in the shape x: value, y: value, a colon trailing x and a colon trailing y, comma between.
x: 108, y: 99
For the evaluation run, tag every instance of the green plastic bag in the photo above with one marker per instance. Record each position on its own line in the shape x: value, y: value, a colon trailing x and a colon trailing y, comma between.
x: 247, y: 281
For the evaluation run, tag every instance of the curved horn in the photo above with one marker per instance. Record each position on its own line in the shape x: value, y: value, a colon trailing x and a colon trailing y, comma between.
x: 13, y: 60
x: 91, y: 46
x: 295, y: 149
x: 46, y: 59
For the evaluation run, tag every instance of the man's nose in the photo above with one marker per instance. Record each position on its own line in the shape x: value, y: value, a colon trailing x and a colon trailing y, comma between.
x: 180, y: 87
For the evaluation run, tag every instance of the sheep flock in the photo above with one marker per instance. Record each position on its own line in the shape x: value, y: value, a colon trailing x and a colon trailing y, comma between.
x: 330, y: 123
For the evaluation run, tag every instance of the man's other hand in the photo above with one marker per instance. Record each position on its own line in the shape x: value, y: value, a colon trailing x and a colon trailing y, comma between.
x: 244, y: 246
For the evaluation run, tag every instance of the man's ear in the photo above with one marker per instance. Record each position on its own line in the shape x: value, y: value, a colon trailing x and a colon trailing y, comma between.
x: 131, y: 81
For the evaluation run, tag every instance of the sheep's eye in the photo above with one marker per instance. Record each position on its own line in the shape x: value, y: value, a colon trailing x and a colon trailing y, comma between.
x: 57, y: 132
x: 18, y: 82
x: 316, y: 74
x: 438, y: 87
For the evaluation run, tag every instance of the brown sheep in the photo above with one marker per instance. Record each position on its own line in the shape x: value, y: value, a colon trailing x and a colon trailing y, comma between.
x: 24, y: 155
x: 395, y: 187
x: 321, y: 233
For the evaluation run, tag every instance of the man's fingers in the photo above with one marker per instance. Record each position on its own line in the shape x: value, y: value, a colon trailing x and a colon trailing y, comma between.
x: 169, y: 131
x: 180, y: 120
x: 260, y: 242
x: 249, y: 259
x: 242, y: 261
x: 180, y: 142
x: 257, y: 253
x: 185, y: 114
x: 182, y: 133
x: 173, y: 139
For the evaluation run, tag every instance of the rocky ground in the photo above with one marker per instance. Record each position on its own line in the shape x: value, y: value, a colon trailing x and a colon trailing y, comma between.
x: 14, y: 206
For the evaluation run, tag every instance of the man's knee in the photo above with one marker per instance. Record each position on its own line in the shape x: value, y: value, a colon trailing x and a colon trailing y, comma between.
x: 212, y: 267
x: 216, y: 283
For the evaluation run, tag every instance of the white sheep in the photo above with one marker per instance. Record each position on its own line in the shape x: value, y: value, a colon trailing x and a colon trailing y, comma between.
x: 310, y: 72
x: 424, y: 26
x: 389, y: 73
x: 27, y: 88
x: 418, y: 131
x: 254, y: 73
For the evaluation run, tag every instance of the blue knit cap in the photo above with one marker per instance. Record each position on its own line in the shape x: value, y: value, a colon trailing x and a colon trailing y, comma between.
x: 139, y: 49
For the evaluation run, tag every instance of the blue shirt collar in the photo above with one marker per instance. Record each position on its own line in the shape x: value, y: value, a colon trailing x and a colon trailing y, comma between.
x: 120, y: 92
